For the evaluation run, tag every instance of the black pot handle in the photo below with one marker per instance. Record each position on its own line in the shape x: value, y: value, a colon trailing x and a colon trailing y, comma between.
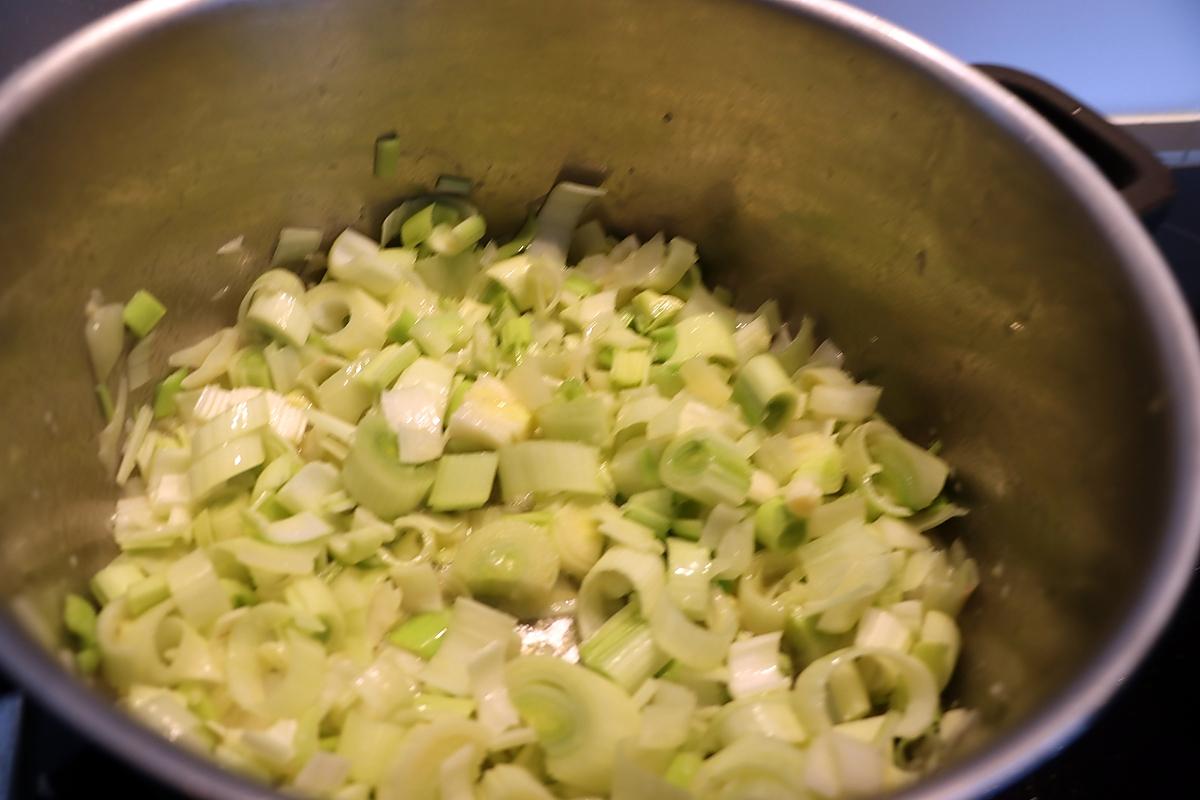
x: 1143, y: 180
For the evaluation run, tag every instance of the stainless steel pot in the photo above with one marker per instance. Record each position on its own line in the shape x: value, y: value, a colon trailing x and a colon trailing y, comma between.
x: 961, y: 251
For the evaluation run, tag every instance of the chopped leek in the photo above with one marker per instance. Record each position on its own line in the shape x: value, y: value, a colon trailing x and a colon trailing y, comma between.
x: 143, y: 312
x: 387, y: 159
x: 765, y: 393
x: 508, y: 563
x: 704, y: 336
x: 754, y: 767
x: 537, y: 470
x: 707, y: 467
x: 374, y: 476
x: 422, y: 634
x: 166, y: 392
x: 623, y: 649
x: 473, y: 626
x: 295, y: 244
x: 105, y: 335
x: 580, y: 718
x: 367, y: 529
x: 463, y: 481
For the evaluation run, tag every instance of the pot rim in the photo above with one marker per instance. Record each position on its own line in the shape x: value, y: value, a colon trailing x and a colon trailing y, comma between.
x: 994, y: 766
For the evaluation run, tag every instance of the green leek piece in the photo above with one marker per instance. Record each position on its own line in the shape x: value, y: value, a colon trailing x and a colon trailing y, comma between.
x: 440, y: 333
x: 635, y: 466
x: 422, y: 634
x: 585, y: 418
x: 509, y: 564
x: 579, y: 285
x: 387, y: 156
x: 143, y: 312
x: 848, y: 693
x: 295, y: 245
x: 104, y: 397
x: 114, y: 581
x: 79, y: 617
x: 808, y: 642
x: 776, y: 528
x: 704, y: 336
x: 541, y: 469
x: 452, y: 276
x: 707, y: 467
x: 795, y: 354
x: 938, y: 645
x: 666, y: 379
x: 239, y: 594
x: 683, y: 768
x: 687, y: 284
x: 765, y: 393
x: 458, y: 395
x: 374, y: 476
x: 623, y: 649
x: 519, y: 242
x: 630, y: 368
x: 463, y: 481
x: 571, y: 389
x: 87, y: 660
x: 687, y: 528
x: 383, y: 370
x: 248, y: 368
x: 401, y: 330
x: 453, y: 184
x: 416, y: 229
x: 653, y: 310
x: 515, y: 335
x: 166, y: 392
x: 666, y: 341
x: 146, y: 593
x: 706, y: 381
x: 653, y: 508
x: 446, y: 239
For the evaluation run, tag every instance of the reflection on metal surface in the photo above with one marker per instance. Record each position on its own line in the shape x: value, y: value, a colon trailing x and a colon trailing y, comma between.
x: 553, y: 636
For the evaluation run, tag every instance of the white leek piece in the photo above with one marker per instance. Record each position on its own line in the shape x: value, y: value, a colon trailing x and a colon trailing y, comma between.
x: 559, y: 217
x: 619, y: 572
x: 415, y: 409
x: 489, y: 417
x: 486, y: 673
x: 580, y: 718
x: 416, y: 767
x: 754, y: 666
x: 473, y: 626
x: 104, y: 332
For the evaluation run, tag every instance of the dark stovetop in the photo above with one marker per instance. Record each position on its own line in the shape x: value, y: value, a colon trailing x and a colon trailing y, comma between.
x: 1144, y: 744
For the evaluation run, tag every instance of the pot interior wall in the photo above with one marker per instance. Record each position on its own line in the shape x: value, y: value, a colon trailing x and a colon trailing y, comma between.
x: 809, y: 166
